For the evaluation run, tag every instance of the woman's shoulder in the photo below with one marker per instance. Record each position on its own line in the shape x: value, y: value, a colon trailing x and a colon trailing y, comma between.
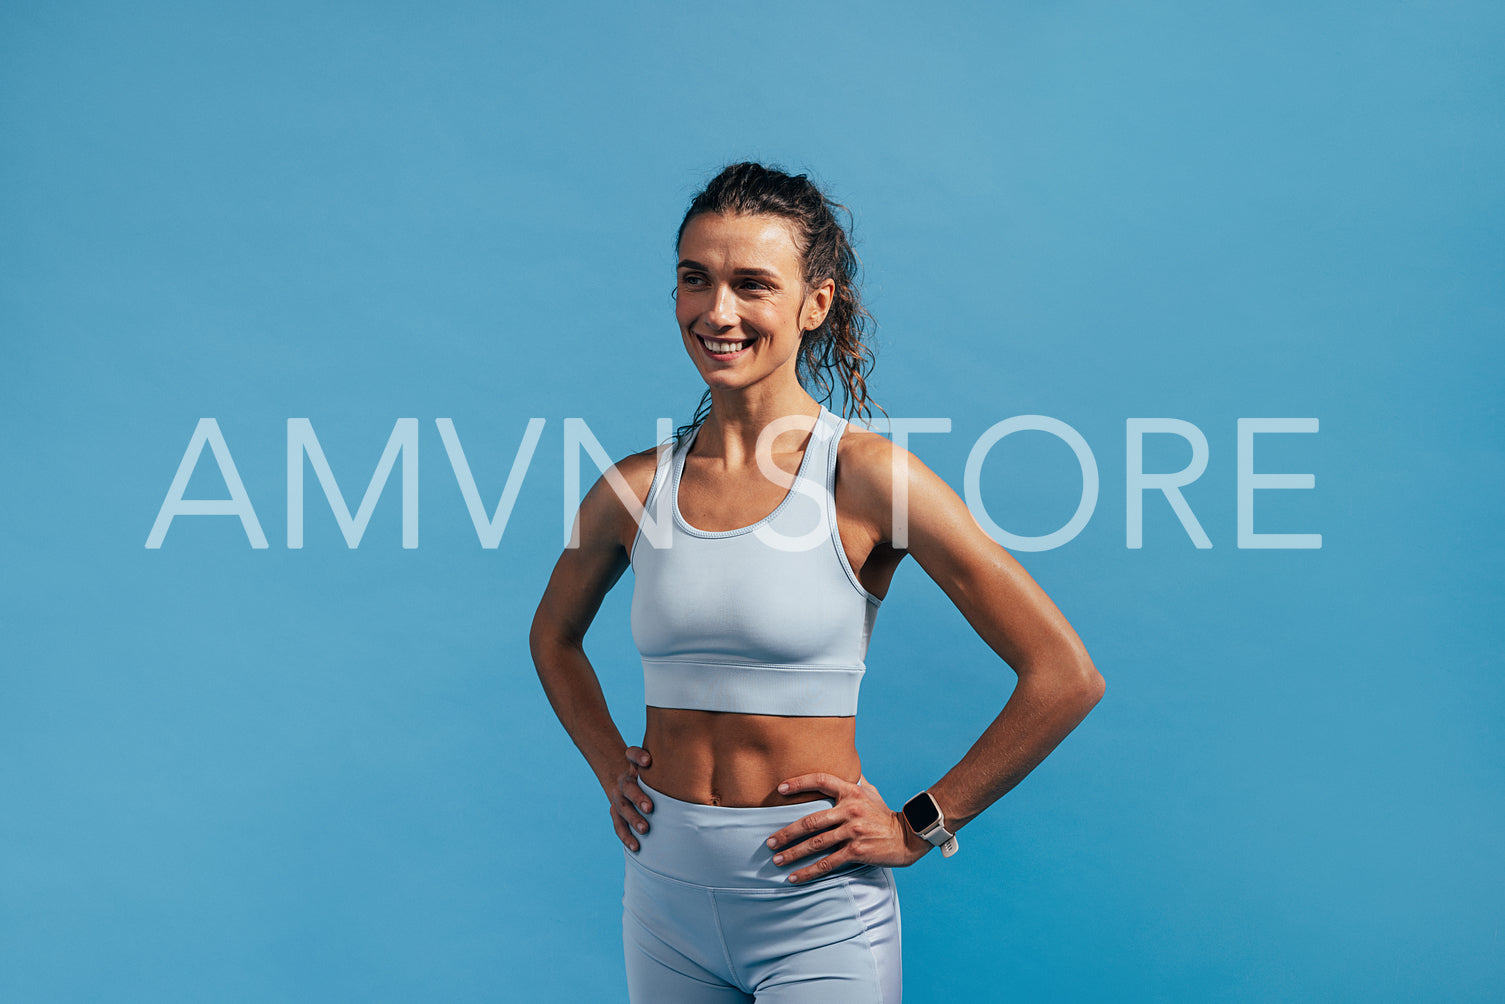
x: 866, y: 458
x: 869, y: 465
x: 633, y: 475
x: 637, y: 470
x: 615, y: 501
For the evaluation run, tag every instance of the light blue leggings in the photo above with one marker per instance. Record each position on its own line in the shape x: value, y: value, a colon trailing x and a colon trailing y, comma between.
x: 708, y: 917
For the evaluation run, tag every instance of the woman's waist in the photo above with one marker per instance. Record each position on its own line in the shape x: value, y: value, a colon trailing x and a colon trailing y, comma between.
x: 720, y: 846
x: 739, y: 760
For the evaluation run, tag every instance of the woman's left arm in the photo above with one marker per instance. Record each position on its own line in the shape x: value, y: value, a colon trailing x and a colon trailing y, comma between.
x: 1057, y: 684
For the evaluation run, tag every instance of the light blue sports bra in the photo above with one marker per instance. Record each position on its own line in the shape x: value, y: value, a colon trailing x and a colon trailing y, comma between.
x: 768, y: 619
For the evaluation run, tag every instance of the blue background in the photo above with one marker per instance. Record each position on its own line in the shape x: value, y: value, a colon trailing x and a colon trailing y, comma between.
x: 330, y: 774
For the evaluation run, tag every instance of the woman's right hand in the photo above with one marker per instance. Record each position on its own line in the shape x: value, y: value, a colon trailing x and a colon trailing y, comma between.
x: 629, y: 806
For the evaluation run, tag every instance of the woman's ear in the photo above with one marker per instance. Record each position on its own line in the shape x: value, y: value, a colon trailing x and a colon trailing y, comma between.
x: 817, y: 305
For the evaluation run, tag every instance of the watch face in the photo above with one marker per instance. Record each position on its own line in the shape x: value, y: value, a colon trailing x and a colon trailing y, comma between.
x: 921, y: 811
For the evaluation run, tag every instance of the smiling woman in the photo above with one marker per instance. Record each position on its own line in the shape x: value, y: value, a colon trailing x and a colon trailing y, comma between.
x: 764, y: 874
x: 824, y: 262
x: 740, y: 290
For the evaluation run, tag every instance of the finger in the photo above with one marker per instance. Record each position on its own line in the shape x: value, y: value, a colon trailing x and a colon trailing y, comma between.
x: 828, y: 784
x: 623, y: 833
x: 639, y: 756
x: 824, y: 866
x: 803, y: 827
x: 824, y: 841
x: 634, y: 794
x: 629, y: 812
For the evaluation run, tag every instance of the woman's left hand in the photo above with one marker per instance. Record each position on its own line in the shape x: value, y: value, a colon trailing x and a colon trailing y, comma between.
x: 860, y: 827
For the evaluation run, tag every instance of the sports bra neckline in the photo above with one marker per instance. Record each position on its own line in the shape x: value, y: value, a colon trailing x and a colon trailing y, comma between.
x: 682, y: 455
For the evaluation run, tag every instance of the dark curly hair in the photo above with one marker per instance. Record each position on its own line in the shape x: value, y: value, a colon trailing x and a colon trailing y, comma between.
x: 839, y: 346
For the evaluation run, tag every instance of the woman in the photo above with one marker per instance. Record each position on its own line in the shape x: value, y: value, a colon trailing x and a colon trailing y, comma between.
x: 762, y: 543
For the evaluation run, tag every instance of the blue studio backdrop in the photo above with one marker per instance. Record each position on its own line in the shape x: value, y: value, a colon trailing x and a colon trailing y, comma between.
x: 1241, y: 261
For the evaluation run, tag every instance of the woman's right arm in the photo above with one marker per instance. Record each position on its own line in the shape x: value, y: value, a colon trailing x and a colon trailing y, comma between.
x: 580, y: 581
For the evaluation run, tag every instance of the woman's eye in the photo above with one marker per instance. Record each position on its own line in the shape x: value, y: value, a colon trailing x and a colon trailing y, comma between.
x: 690, y: 280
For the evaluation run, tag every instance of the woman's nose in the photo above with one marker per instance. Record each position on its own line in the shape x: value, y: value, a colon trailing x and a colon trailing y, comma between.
x: 723, y: 312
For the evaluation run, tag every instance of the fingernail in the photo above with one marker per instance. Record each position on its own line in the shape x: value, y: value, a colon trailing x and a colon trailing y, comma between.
x: 772, y: 842
x: 783, y: 787
x: 642, y: 827
x: 793, y: 879
x: 778, y: 859
x: 643, y: 806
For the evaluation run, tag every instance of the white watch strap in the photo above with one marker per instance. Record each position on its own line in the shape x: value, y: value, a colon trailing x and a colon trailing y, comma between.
x: 941, y: 837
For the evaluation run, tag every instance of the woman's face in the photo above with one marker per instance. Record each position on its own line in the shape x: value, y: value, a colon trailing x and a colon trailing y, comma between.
x: 741, y: 301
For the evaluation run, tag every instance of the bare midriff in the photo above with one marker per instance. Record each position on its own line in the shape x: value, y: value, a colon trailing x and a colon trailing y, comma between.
x: 732, y: 759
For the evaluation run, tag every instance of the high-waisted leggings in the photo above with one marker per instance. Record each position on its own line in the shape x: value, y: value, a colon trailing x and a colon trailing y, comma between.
x: 708, y: 917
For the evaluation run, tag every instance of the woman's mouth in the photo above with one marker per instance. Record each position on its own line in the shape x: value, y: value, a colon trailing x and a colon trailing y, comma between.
x: 718, y: 348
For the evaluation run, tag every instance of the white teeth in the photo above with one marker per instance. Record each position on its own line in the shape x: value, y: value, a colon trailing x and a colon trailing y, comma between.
x: 722, y: 347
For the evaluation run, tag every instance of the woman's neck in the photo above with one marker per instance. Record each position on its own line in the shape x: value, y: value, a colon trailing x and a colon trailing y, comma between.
x: 738, y: 418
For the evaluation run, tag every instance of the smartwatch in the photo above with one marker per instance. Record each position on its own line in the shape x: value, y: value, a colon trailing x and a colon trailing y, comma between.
x: 924, y: 816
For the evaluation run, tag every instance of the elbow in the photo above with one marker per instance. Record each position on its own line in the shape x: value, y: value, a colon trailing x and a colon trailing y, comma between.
x: 1072, y: 679
x: 546, y: 639
x: 1092, y: 686
x: 542, y: 638
x: 536, y: 643
x: 1087, y: 684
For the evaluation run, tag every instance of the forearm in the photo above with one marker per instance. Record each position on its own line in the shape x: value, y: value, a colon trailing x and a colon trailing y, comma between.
x: 575, y: 694
x: 1043, y: 709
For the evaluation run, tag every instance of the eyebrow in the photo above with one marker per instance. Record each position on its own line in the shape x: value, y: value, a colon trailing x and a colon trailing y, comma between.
x: 760, y: 272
